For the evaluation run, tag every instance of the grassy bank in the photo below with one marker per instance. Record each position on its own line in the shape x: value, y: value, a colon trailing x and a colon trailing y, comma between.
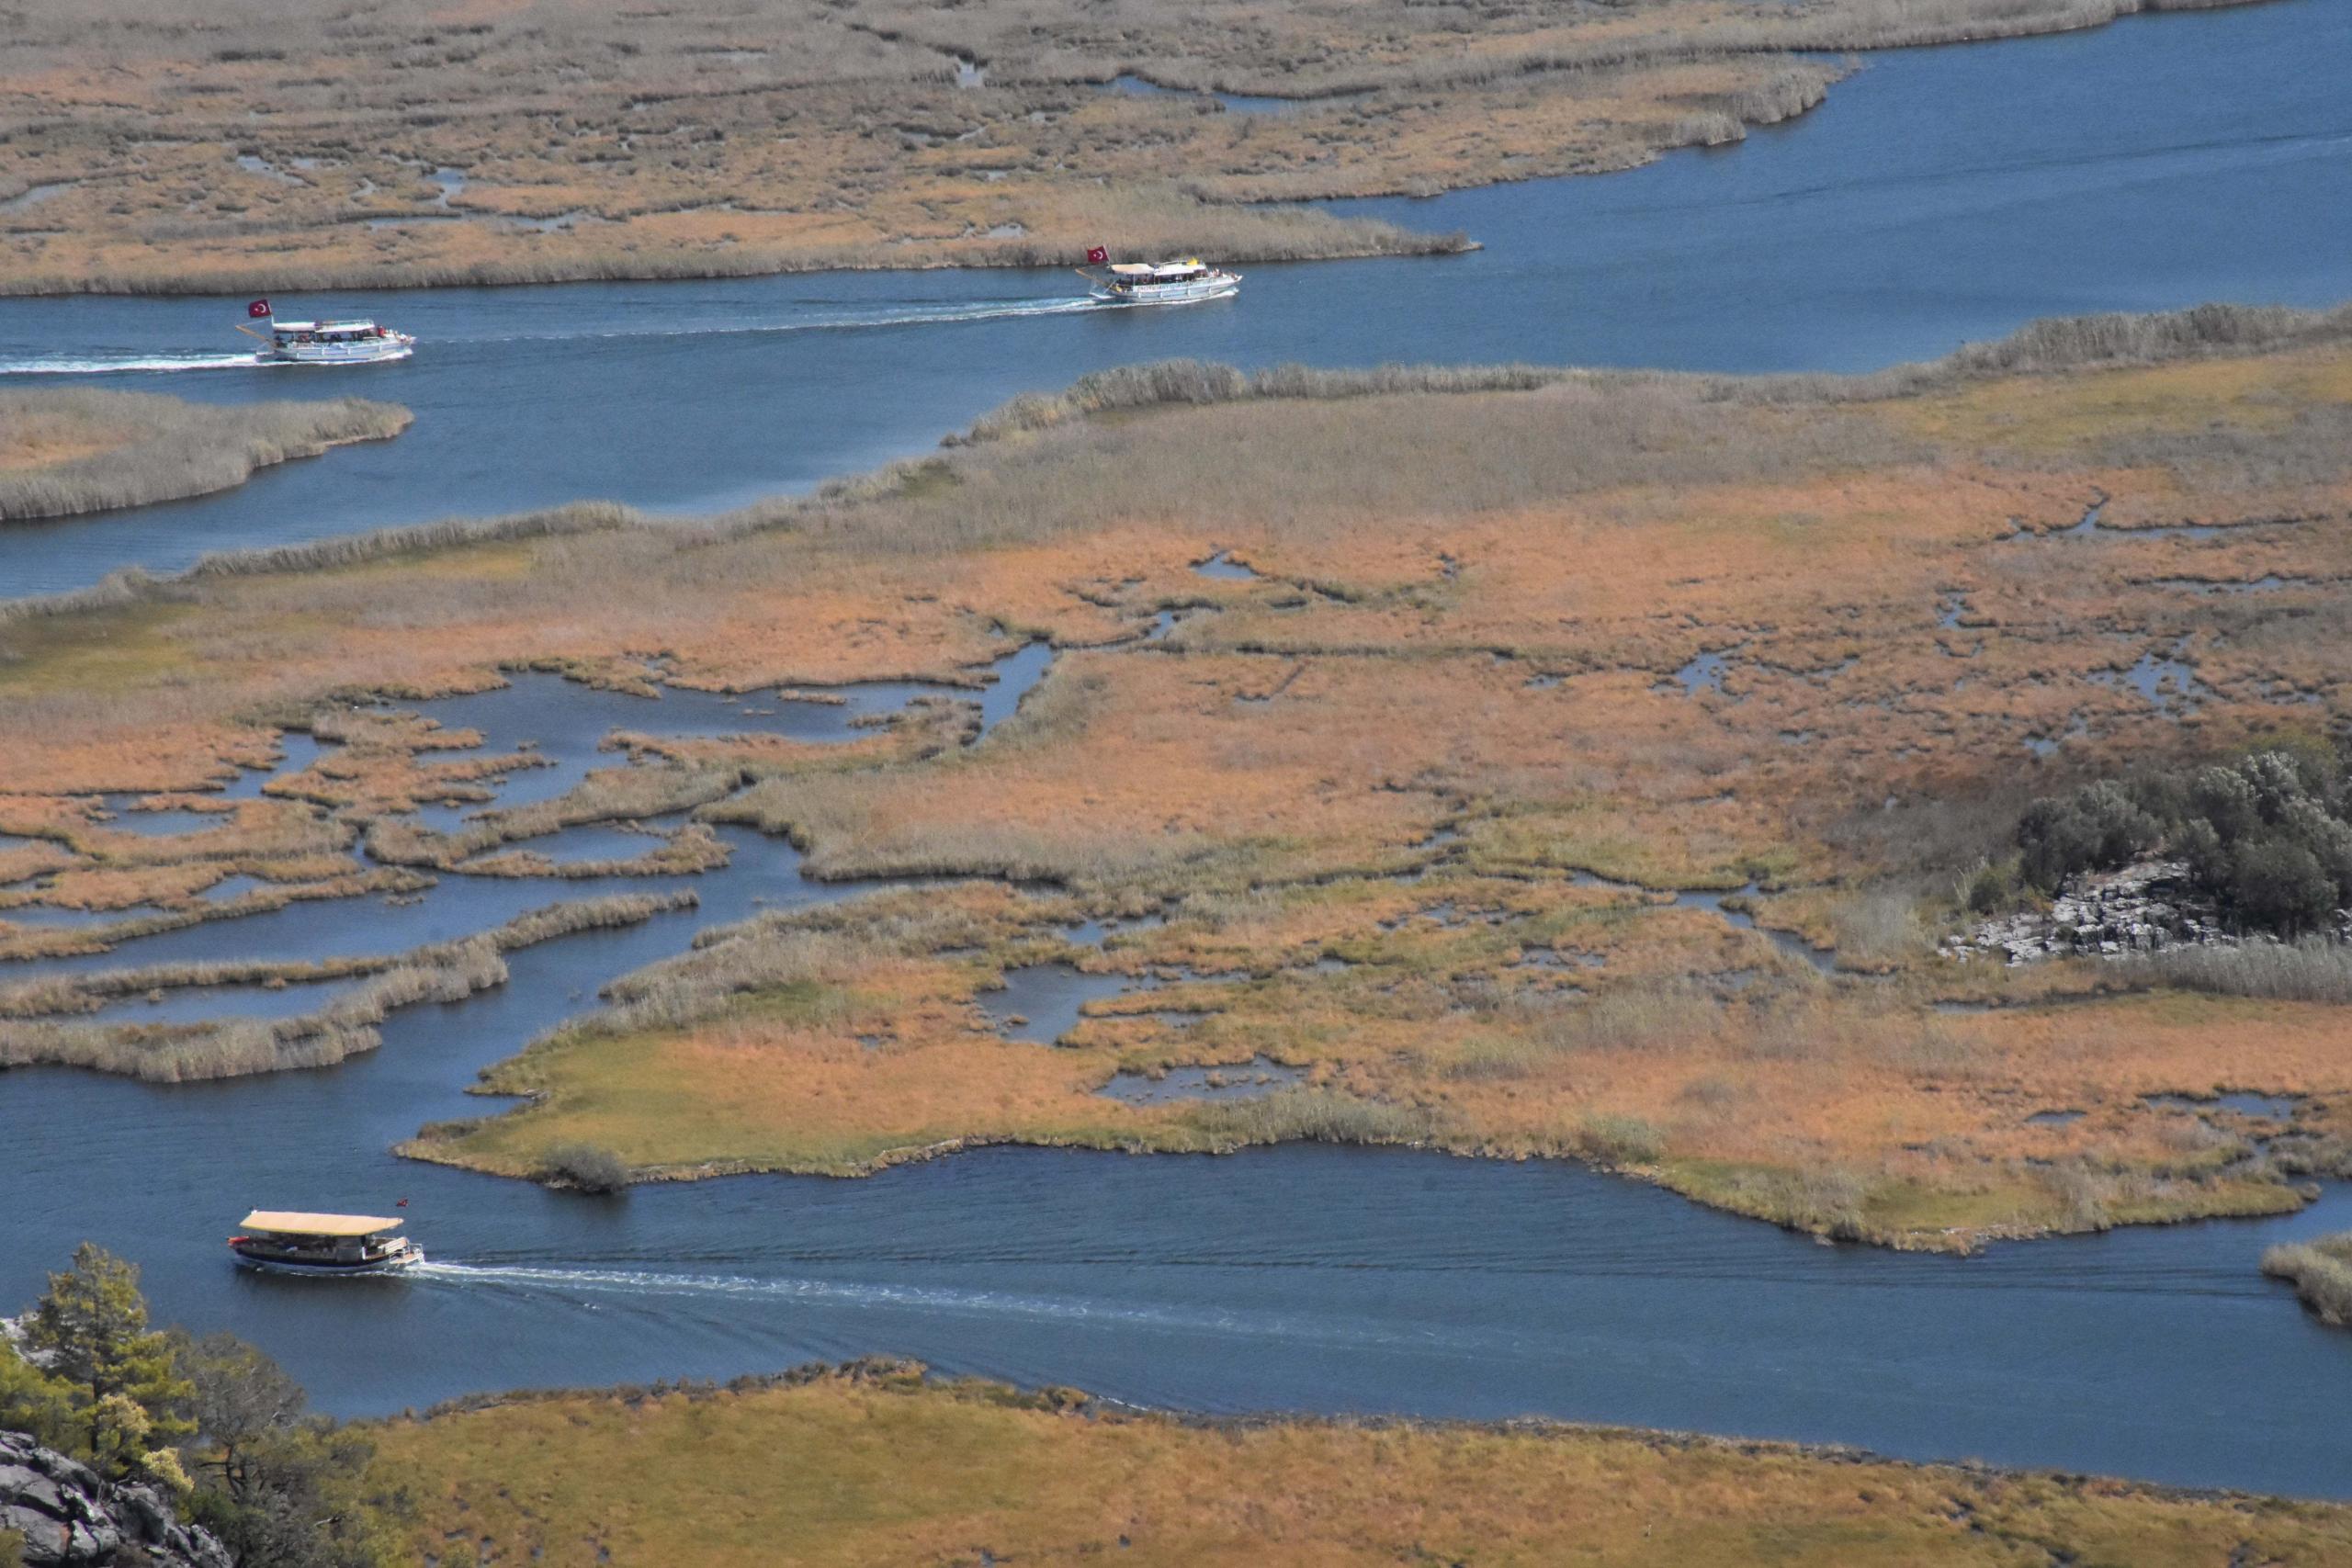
x: 872, y: 1463
x: 1587, y: 769
x: 64, y: 453
x: 237, y: 1047
x: 700, y: 143
x: 2321, y: 1272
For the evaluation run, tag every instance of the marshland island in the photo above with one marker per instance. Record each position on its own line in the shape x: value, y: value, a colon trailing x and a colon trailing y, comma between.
x: 1906, y: 809
x: 1213, y: 950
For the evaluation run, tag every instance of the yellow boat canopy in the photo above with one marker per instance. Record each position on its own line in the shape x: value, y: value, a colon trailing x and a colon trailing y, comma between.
x: 282, y: 1222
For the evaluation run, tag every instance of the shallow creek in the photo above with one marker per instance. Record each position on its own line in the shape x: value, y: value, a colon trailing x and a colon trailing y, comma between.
x: 1306, y: 1278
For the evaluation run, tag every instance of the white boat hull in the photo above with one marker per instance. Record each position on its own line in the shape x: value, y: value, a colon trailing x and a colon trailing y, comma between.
x: 397, y: 1263
x: 380, y: 352
x: 1217, y: 288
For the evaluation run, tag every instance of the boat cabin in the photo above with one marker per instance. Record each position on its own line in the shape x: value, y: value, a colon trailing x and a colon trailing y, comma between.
x: 321, y: 1243
x: 326, y: 331
x: 1132, y: 272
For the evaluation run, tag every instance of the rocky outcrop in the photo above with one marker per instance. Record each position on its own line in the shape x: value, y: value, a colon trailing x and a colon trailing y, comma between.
x: 70, y: 1518
x: 2146, y: 906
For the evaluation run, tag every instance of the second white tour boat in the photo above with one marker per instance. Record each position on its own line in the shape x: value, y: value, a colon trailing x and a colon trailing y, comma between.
x: 325, y: 342
x: 1183, y: 282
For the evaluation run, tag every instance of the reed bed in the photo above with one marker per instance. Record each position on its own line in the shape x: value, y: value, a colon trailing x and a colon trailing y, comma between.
x: 236, y: 1048
x: 608, y: 795
x: 1310, y: 1115
x: 131, y: 448
x: 2047, y: 346
x: 2313, y: 969
x: 419, y: 538
x: 2321, y: 1272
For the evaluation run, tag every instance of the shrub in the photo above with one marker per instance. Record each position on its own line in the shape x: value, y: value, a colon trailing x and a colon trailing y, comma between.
x: 1994, y: 887
x: 2098, y: 827
x: 1618, y: 1140
x: 2278, y: 886
x: 2265, y: 836
x: 585, y: 1168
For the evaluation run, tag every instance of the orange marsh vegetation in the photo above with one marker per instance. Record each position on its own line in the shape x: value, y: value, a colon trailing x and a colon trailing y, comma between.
x: 1458, y: 683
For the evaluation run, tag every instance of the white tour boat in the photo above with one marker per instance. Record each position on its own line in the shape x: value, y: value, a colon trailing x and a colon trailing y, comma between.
x: 276, y: 1241
x: 1183, y: 282
x: 325, y: 342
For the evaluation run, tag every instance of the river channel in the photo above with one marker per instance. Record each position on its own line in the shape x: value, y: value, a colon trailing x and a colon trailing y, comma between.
x: 1938, y: 197
x: 1941, y: 195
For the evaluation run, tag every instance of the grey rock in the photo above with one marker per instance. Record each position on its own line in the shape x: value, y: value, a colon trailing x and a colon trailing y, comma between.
x: 71, y: 1518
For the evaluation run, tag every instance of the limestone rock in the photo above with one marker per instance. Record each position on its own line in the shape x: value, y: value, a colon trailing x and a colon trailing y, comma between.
x: 70, y: 1518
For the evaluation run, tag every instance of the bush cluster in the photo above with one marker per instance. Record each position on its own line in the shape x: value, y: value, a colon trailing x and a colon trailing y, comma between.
x: 586, y: 1168
x: 2267, y: 836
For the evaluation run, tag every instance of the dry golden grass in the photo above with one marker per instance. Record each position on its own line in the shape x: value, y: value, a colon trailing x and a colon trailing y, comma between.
x: 846, y: 1040
x: 873, y: 1464
x: 1482, y: 638
x: 204, y: 147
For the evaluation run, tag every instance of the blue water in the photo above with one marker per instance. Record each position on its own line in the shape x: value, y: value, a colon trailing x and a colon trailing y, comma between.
x: 1941, y: 195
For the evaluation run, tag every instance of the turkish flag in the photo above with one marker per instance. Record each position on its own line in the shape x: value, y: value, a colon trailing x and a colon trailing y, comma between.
x: 258, y: 309
x: 1097, y: 256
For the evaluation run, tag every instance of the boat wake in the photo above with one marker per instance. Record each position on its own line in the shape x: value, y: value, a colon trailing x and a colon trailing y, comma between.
x: 123, y: 364
x: 821, y: 318
x: 818, y: 317
x: 928, y: 1299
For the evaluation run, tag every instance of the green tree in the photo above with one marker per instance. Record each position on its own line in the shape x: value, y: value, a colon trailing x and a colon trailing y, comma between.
x: 241, y: 1399
x: 279, y: 1489
x: 30, y: 1399
x: 124, y: 1387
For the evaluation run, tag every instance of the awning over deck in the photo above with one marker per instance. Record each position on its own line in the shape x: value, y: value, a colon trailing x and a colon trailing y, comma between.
x: 287, y: 1221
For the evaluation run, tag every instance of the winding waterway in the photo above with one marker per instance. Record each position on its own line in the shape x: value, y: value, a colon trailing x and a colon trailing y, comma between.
x: 1941, y: 195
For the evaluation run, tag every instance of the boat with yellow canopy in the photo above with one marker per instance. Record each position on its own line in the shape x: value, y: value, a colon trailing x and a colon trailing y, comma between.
x: 285, y: 1241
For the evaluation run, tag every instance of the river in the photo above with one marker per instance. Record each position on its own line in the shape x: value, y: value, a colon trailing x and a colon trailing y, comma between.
x: 1939, y: 196
x: 1942, y: 195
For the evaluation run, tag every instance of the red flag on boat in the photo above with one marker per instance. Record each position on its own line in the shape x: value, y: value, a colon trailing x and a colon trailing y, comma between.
x: 258, y: 309
x: 1097, y: 256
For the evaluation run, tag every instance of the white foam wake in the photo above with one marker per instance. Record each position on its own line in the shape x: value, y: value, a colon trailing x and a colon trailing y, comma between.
x: 945, y: 313
x: 116, y: 364
x: 819, y: 319
x: 916, y: 1298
